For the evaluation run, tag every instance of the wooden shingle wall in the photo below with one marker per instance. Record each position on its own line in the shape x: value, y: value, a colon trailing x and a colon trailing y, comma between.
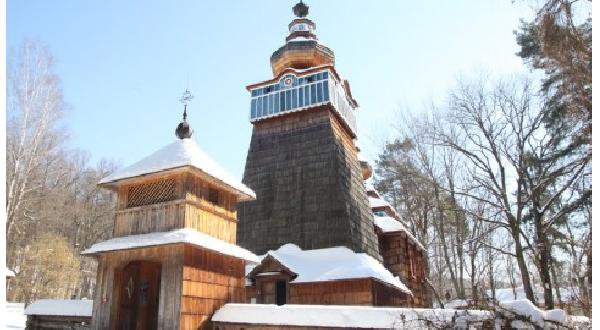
x: 210, y: 280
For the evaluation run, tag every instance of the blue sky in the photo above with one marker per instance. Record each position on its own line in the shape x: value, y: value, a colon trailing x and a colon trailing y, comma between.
x: 124, y: 64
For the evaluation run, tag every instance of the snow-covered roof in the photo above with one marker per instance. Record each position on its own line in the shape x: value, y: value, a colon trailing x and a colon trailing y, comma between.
x: 8, y: 272
x: 369, y: 186
x: 13, y: 316
x: 333, y: 264
x: 60, y: 307
x: 388, y: 224
x: 378, y: 202
x: 185, y: 235
x: 181, y: 153
x: 341, y: 316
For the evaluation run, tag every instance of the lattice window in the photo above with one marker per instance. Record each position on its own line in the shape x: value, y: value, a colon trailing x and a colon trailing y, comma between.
x: 151, y: 193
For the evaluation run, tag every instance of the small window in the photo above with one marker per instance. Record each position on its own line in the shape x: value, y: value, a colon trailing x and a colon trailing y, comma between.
x: 276, y: 103
x: 281, y: 101
x: 213, y: 196
x: 320, y: 92
x: 294, y: 98
x: 300, y: 97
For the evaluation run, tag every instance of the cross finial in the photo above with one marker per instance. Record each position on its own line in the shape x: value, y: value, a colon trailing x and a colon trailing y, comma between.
x: 185, y: 99
x: 184, y: 131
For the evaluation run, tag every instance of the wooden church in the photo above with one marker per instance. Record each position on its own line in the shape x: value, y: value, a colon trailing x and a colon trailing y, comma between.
x: 322, y: 237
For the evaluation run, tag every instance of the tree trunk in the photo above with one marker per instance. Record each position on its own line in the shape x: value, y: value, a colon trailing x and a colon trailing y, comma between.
x: 442, y: 236
x: 543, y: 256
x: 556, y: 285
x: 525, y: 278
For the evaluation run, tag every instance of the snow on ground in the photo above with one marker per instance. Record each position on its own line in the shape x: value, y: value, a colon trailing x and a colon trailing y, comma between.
x: 183, y: 152
x: 186, y: 235
x: 526, y: 308
x: 13, y: 316
x: 507, y: 294
x: 342, y: 316
x: 457, y: 303
x: 60, y: 307
x: 333, y: 264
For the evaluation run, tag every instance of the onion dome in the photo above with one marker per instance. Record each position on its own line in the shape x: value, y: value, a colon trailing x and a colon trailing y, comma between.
x: 302, y: 49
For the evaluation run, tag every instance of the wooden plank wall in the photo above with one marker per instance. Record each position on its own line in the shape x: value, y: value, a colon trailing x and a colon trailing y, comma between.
x: 151, y: 218
x: 211, y: 219
x: 107, y: 288
x: 340, y: 292
x: 210, y: 280
x: 190, y: 209
x: 405, y: 260
x: 385, y: 295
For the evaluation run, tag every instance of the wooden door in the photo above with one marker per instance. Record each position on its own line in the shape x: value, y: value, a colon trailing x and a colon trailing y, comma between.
x: 138, y: 296
x: 281, y: 292
x: 127, y: 297
x: 148, y: 292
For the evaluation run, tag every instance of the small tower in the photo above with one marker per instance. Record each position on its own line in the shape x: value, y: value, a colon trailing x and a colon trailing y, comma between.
x: 302, y: 161
x: 172, y: 260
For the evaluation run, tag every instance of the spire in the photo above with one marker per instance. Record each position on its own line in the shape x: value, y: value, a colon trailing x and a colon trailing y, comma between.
x: 184, y: 131
x: 300, y: 9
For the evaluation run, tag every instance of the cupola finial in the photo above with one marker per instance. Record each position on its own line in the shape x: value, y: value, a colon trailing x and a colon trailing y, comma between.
x: 184, y: 131
x: 300, y: 9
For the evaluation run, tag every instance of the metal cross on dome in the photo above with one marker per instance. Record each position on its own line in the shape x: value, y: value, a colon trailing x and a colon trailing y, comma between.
x: 185, y: 99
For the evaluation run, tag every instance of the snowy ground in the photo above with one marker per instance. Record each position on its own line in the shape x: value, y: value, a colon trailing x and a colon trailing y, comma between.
x: 14, y: 317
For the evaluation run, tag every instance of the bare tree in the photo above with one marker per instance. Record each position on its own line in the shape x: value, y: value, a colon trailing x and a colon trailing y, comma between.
x: 35, y: 105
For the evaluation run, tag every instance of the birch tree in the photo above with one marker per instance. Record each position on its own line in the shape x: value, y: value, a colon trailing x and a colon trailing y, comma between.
x: 34, y: 107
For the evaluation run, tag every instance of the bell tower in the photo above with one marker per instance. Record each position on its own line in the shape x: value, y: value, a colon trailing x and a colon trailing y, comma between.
x: 302, y: 161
